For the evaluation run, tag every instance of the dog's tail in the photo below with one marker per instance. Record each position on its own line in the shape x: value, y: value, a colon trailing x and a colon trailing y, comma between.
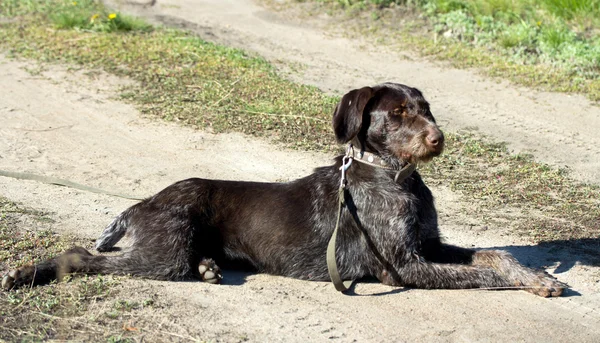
x: 113, y: 232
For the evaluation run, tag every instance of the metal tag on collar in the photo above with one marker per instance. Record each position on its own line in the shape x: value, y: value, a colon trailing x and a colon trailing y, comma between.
x: 346, y: 162
x: 405, y: 172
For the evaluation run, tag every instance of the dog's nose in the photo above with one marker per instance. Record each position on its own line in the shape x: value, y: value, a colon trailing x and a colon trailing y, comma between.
x: 435, y: 140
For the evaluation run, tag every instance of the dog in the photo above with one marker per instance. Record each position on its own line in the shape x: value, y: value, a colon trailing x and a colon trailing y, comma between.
x: 388, y: 230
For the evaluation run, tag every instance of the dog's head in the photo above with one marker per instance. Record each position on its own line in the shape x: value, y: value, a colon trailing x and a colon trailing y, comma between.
x: 391, y: 120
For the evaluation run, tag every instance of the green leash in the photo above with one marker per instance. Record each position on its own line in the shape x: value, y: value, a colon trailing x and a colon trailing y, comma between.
x: 334, y: 274
x: 64, y: 183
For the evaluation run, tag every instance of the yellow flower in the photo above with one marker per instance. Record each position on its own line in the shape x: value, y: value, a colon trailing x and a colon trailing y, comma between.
x: 112, y: 16
x: 74, y: 3
x: 94, y: 17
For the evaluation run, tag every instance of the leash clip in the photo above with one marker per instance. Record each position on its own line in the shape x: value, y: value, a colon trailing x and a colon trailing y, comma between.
x: 346, y: 163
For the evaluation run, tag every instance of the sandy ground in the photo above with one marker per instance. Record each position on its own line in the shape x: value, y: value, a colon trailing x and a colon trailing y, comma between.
x: 66, y: 124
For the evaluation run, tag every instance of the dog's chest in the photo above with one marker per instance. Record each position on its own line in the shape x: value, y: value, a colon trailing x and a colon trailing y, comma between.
x: 384, y: 203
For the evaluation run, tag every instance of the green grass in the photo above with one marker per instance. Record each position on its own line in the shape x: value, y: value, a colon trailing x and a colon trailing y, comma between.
x: 83, y: 15
x: 40, y: 313
x: 551, y: 44
x: 183, y: 78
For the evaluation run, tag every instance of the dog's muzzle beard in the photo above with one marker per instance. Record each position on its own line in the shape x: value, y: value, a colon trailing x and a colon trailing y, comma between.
x: 422, y: 147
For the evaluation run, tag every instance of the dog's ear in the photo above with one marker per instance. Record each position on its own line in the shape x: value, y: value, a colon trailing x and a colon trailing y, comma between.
x: 348, y: 115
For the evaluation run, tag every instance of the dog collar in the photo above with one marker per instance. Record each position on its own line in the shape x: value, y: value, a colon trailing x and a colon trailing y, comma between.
x: 370, y: 159
x: 374, y: 160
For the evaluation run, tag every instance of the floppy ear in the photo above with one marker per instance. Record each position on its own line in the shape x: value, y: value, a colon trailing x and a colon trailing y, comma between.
x: 348, y: 115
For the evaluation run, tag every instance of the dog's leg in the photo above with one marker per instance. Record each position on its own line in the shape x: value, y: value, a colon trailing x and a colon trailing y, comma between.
x: 431, y: 264
x: 419, y: 273
x: 72, y: 260
x: 519, y: 276
x: 79, y: 260
x: 401, y: 265
x: 139, y: 262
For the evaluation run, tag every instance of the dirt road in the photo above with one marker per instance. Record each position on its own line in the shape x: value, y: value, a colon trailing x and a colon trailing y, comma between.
x: 556, y: 128
x: 65, y: 124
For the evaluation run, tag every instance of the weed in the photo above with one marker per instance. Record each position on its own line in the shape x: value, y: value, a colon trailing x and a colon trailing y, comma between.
x: 58, y: 311
x: 491, y: 177
x: 125, y: 305
x: 119, y: 339
x: 24, y: 246
x: 148, y: 302
x: 113, y: 314
x: 31, y: 314
x: 551, y: 44
x: 191, y: 81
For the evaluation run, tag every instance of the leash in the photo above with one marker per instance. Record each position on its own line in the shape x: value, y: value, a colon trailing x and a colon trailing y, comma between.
x: 401, y: 175
x: 64, y: 183
x: 334, y: 274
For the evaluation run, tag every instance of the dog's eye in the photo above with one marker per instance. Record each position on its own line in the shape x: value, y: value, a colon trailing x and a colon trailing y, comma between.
x: 397, y: 111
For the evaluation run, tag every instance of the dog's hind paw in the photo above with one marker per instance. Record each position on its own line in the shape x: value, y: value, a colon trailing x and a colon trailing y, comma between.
x: 209, y: 271
x: 8, y: 281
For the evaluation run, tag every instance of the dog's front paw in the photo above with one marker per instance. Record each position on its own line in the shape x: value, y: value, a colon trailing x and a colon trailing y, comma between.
x: 546, y: 286
x: 209, y: 271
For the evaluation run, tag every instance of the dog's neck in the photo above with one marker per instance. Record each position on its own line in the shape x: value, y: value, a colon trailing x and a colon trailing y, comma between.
x: 374, y: 160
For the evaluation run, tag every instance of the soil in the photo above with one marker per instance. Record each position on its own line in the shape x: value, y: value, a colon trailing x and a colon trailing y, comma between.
x: 68, y: 124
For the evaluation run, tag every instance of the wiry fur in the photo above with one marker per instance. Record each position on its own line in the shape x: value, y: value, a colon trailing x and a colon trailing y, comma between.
x: 389, y: 230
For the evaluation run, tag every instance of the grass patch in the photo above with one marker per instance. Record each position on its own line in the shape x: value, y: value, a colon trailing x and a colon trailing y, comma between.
x: 79, y: 309
x: 552, y: 206
x: 82, y: 15
x: 182, y: 78
x: 26, y: 246
x: 41, y: 313
x: 550, y: 44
